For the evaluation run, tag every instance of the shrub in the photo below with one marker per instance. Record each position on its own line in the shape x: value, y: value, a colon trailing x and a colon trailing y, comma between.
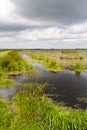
x: 77, y: 67
x: 13, y: 62
x: 52, y: 65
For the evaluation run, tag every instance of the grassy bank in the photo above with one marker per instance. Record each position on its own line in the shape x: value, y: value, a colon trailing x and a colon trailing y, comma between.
x: 32, y: 110
x: 12, y: 63
x: 75, y: 60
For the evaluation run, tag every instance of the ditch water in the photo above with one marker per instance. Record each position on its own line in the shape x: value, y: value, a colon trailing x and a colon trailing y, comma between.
x: 66, y: 87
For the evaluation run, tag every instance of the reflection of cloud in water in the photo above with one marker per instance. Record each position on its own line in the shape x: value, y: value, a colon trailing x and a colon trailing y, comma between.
x: 9, y: 92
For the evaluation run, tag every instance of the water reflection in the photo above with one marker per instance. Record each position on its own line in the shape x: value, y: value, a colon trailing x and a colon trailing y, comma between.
x: 64, y: 87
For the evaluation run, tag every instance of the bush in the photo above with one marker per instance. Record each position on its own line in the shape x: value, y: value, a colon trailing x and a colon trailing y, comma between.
x: 52, y: 65
x: 77, y: 67
x: 13, y: 62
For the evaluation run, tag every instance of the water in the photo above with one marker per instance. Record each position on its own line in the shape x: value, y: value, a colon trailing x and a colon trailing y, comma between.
x: 9, y: 93
x: 64, y: 87
x: 12, y: 91
x: 24, y: 55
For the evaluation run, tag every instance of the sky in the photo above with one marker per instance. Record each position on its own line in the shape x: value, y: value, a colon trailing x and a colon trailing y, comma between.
x: 44, y: 24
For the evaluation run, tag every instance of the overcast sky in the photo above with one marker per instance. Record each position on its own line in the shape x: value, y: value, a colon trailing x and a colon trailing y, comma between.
x: 43, y: 24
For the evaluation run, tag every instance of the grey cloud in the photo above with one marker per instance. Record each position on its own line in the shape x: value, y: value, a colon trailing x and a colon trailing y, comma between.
x: 14, y: 27
x: 45, y: 24
x: 11, y: 28
x: 17, y: 27
x: 53, y: 11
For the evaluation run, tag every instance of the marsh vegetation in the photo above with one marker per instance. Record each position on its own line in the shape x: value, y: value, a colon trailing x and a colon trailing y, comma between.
x: 56, y: 61
x: 30, y: 108
x: 12, y: 63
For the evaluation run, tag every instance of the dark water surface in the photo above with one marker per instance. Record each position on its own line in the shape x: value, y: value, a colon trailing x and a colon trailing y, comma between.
x: 64, y: 87
x: 67, y: 87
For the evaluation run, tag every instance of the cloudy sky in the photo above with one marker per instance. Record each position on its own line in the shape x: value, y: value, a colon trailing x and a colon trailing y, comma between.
x: 43, y: 24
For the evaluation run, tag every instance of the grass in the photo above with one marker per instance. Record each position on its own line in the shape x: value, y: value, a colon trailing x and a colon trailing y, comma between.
x: 4, y: 80
x: 48, y: 62
x: 35, y: 107
x: 33, y: 110
x: 53, y: 66
x: 3, y: 53
x: 60, y: 60
x: 77, y: 67
x: 5, y: 115
x: 12, y: 63
x: 5, y: 83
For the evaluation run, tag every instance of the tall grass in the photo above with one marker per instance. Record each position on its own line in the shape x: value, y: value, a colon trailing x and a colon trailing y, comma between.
x: 49, y: 63
x: 5, y: 116
x: 34, y: 111
x: 12, y: 63
x: 31, y: 109
x: 63, y: 59
x: 52, y: 65
x: 77, y: 67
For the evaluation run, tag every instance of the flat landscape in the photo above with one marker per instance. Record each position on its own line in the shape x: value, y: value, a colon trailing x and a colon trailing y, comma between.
x: 43, y: 90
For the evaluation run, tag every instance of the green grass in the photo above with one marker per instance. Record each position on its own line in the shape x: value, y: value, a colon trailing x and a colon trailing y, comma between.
x: 35, y: 111
x: 31, y: 109
x: 53, y: 66
x: 60, y: 60
x: 77, y: 67
x: 49, y: 63
x: 12, y: 63
x: 5, y: 83
x: 5, y: 116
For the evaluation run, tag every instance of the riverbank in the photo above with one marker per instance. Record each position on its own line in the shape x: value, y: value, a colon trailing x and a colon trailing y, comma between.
x: 55, y: 61
x: 11, y: 63
x: 33, y: 110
